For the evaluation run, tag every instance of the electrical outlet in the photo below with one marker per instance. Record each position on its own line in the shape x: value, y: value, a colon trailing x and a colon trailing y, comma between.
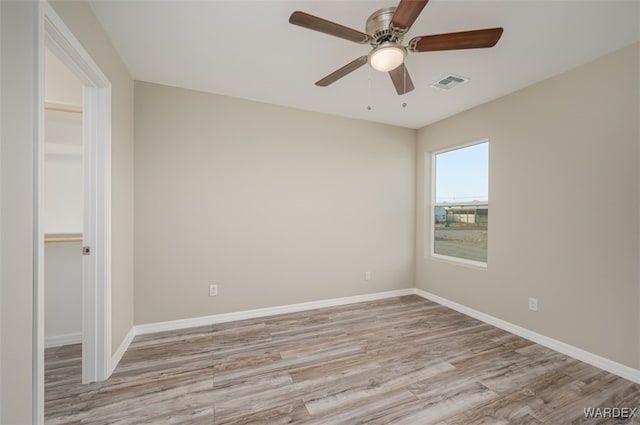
x: 533, y: 304
x: 213, y: 290
x: 367, y: 275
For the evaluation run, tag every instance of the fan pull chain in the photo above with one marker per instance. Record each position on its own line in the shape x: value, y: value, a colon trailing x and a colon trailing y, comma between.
x: 404, y: 77
x: 369, y: 93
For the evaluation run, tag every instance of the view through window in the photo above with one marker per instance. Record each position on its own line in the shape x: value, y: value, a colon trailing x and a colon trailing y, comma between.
x: 461, y: 203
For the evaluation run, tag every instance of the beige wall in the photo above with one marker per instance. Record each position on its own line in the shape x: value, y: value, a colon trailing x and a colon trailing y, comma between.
x: 80, y: 19
x: 275, y: 205
x: 564, y: 206
x: 16, y: 194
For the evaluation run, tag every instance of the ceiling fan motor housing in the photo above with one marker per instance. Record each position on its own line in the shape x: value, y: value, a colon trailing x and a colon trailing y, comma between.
x: 379, y: 27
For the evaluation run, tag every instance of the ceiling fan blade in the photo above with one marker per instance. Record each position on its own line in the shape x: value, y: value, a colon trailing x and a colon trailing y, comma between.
x: 456, y: 40
x: 339, y: 73
x: 401, y: 79
x: 406, y: 13
x: 319, y: 24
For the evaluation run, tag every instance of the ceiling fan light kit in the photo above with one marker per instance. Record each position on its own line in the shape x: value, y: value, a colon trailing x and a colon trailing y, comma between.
x: 385, y: 29
x: 387, y: 56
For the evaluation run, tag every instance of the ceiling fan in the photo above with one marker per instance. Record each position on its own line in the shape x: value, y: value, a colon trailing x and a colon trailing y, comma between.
x: 385, y: 30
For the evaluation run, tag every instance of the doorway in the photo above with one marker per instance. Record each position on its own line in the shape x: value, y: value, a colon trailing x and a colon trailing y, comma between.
x: 62, y: 215
x: 96, y: 221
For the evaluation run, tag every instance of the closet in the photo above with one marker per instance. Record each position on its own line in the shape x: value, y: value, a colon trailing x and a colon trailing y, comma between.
x: 62, y: 211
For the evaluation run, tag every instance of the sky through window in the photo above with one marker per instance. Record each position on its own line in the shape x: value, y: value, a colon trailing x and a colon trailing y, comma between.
x: 462, y: 175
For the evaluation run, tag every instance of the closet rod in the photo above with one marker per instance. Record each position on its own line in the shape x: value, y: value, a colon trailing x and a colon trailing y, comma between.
x: 63, y: 238
x: 62, y: 107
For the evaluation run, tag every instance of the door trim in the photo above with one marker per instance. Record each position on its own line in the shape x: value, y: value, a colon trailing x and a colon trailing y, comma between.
x: 52, y: 33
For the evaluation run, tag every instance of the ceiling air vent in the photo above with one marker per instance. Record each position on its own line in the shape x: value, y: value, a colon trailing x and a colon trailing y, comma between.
x: 450, y: 81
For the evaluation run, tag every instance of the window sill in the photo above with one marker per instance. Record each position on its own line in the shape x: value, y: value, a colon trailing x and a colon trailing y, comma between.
x: 477, y: 265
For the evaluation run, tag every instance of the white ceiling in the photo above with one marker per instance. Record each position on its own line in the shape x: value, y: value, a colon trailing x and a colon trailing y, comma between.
x: 248, y: 49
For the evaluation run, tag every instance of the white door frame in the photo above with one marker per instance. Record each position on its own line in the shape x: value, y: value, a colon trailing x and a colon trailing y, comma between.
x: 54, y: 35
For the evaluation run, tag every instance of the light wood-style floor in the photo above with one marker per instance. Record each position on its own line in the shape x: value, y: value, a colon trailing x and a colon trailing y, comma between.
x: 396, y: 361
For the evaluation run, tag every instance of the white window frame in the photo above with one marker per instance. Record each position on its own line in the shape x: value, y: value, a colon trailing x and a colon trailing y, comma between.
x: 433, y: 204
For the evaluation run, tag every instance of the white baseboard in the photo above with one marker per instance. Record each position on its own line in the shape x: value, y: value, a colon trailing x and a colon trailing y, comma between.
x: 564, y: 348
x: 264, y: 312
x: 122, y: 348
x: 60, y: 340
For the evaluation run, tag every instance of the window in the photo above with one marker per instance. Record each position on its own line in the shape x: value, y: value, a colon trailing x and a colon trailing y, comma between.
x: 460, y: 204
